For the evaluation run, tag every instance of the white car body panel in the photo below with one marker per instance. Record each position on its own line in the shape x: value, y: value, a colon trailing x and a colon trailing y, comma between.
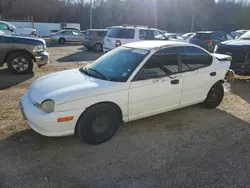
x: 73, y: 92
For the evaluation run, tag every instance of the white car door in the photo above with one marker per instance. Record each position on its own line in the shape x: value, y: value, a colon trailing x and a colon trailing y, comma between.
x: 118, y: 36
x: 156, y: 88
x: 198, y: 74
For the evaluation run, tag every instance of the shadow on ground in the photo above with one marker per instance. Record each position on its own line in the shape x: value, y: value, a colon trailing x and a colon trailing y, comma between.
x: 8, y: 79
x: 50, y: 44
x: 241, y: 87
x: 169, y: 150
x: 80, y: 56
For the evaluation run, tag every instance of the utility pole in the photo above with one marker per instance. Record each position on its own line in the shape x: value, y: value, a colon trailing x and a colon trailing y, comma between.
x: 90, y: 12
x: 193, y: 16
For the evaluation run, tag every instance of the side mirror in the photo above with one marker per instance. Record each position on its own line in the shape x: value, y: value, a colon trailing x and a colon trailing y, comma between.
x: 11, y: 29
x: 146, y: 74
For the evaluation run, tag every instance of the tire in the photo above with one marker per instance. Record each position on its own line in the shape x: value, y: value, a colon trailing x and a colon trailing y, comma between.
x: 98, y: 124
x: 214, y: 96
x: 62, y: 41
x: 20, y: 63
x: 98, y: 47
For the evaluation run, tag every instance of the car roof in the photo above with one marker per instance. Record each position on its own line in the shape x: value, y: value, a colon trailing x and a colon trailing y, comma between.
x: 135, y: 27
x: 149, y: 45
x: 97, y: 30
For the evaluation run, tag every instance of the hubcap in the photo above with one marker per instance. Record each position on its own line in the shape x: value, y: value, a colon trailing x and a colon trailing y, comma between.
x: 100, y: 124
x: 20, y: 64
x: 98, y: 47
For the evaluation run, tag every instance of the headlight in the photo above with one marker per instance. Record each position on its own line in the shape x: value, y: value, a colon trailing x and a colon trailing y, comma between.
x: 215, y: 48
x: 39, y: 48
x: 48, y: 106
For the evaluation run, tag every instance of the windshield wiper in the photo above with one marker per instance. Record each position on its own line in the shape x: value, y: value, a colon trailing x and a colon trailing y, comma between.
x: 102, y: 75
x: 244, y: 38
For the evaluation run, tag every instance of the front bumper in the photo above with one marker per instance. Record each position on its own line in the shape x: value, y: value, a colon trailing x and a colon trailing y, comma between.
x: 46, y: 124
x: 42, y: 58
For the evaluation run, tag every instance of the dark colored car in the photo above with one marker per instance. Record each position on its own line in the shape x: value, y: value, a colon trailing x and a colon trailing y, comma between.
x: 209, y: 39
x: 239, y: 49
x: 20, y: 52
x: 94, y: 39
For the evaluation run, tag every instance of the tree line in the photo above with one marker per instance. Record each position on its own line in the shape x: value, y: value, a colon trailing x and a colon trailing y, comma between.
x: 170, y: 15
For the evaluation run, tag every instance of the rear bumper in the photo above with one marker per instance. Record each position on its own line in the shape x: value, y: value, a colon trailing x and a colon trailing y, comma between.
x: 230, y: 76
x: 42, y: 59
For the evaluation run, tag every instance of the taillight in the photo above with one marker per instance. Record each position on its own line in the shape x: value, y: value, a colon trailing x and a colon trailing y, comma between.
x: 118, y: 43
x: 208, y: 41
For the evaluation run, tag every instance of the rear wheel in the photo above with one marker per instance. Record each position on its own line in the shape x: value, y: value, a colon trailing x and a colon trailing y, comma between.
x: 214, y: 96
x: 62, y: 41
x: 20, y: 63
x: 98, y: 124
x: 98, y: 47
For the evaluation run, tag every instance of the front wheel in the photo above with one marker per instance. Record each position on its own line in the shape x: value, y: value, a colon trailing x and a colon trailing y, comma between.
x: 20, y: 63
x: 98, y: 124
x: 214, y: 96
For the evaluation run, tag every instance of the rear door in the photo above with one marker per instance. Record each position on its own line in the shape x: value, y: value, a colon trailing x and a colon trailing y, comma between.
x: 117, y: 35
x: 198, y: 74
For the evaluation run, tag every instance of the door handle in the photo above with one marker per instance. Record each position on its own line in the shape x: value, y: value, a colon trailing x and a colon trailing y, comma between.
x: 174, y: 82
x: 213, y: 74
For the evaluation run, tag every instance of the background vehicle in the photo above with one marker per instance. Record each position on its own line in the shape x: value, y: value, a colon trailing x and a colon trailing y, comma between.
x: 11, y: 29
x: 94, y: 39
x: 64, y: 36
x: 119, y: 35
x: 188, y: 36
x: 208, y: 39
x: 20, y: 52
x: 239, y: 49
x: 133, y: 81
x: 238, y: 33
x: 174, y: 36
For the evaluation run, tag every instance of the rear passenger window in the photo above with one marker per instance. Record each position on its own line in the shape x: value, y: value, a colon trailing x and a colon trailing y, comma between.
x: 101, y: 33
x: 193, y: 58
x: 121, y: 33
x: 66, y: 33
x: 145, y: 34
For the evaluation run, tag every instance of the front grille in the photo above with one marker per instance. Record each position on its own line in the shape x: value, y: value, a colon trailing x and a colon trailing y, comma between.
x: 238, y: 55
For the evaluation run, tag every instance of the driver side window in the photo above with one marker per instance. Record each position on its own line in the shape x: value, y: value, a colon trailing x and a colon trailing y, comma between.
x: 3, y: 26
x: 162, y: 63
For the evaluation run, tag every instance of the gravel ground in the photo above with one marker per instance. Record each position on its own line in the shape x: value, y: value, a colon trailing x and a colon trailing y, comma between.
x: 190, y: 147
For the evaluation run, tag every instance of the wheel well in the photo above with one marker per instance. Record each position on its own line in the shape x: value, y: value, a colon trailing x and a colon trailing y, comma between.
x: 114, y: 105
x: 62, y: 38
x: 19, y: 51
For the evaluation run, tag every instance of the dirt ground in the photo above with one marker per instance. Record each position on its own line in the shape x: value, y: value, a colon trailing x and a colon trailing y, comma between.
x: 190, y: 147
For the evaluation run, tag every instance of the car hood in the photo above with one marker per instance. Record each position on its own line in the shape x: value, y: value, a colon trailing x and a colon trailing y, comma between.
x: 23, y: 40
x: 237, y: 42
x: 69, y: 85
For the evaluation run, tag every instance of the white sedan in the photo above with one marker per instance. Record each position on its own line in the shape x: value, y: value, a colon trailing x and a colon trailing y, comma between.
x: 133, y: 81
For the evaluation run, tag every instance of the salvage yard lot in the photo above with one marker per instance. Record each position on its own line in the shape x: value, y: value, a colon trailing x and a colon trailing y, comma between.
x: 190, y: 147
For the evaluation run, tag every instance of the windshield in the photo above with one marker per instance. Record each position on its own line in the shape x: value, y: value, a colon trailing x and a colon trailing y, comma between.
x: 117, y: 65
x: 245, y: 36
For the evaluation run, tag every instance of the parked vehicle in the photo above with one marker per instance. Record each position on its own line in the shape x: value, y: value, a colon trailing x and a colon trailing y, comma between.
x: 208, y: 39
x: 174, y: 36
x: 239, y: 49
x: 11, y: 29
x: 119, y: 35
x: 188, y: 36
x: 133, y: 81
x: 64, y: 36
x: 20, y: 52
x: 238, y: 33
x: 71, y: 29
x: 94, y: 39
